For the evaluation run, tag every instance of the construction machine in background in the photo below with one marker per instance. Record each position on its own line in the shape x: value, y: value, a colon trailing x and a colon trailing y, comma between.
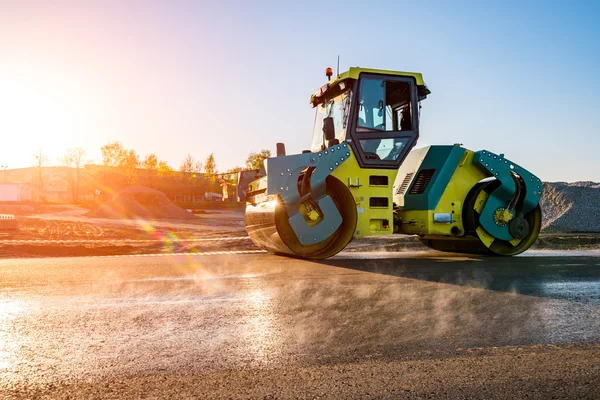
x: 362, y: 177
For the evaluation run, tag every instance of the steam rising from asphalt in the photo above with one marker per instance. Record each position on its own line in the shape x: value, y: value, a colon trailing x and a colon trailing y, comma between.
x: 225, y: 312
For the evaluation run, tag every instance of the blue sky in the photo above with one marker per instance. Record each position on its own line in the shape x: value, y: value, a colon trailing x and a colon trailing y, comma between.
x: 229, y: 77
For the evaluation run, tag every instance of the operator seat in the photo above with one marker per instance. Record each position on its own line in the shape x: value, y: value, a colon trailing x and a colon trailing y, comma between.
x: 405, y: 120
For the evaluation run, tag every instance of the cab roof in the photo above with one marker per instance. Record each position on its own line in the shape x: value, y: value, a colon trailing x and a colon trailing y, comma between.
x: 354, y: 72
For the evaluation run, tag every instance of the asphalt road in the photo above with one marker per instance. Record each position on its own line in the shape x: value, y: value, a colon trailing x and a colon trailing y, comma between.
x: 377, y: 325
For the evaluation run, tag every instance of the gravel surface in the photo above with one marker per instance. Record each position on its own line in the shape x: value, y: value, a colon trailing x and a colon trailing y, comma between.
x: 533, y: 372
x: 571, y: 207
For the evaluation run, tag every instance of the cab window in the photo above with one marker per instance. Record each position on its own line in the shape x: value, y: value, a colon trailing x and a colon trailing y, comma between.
x: 384, y: 106
x: 385, y: 126
x: 337, y: 108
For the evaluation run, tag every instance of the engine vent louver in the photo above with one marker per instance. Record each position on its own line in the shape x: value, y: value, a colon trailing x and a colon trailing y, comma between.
x: 378, y: 180
x: 378, y: 202
x: 421, y: 181
x: 405, y: 183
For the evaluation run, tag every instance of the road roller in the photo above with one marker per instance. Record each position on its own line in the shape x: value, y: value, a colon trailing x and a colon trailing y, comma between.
x: 363, y: 176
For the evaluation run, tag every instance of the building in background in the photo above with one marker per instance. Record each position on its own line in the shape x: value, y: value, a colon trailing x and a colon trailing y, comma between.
x: 14, y: 192
x: 44, y: 184
x: 97, y: 183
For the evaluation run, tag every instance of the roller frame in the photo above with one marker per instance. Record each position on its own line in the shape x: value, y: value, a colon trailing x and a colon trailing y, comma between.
x: 283, y: 181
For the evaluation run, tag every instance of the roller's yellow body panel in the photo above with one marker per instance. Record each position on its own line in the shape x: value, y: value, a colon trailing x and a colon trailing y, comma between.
x: 371, y: 220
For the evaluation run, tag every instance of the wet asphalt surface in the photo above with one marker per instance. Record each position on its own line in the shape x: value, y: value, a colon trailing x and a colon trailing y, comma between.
x: 377, y: 325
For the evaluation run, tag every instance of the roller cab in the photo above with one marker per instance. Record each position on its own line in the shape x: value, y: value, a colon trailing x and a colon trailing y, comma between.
x: 361, y: 178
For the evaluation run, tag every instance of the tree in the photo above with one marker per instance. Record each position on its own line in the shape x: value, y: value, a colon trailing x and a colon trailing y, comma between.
x: 234, y: 170
x: 149, y: 165
x: 190, y: 165
x: 189, y: 171
x: 210, y: 167
x: 256, y: 160
x: 74, y: 161
x: 40, y: 160
x: 150, y: 162
x: 113, y: 154
x: 187, y: 164
x: 40, y: 157
x: 130, y: 163
x: 164, y: 169
x: 125, y: 162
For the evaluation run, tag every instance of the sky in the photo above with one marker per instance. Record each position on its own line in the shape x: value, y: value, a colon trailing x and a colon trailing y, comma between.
x: 231, y: 77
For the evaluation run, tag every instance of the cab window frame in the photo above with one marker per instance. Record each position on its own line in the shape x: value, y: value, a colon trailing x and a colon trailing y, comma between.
x: 354, y: 136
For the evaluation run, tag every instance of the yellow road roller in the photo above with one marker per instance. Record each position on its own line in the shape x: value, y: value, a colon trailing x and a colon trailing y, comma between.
x: 362, y: 176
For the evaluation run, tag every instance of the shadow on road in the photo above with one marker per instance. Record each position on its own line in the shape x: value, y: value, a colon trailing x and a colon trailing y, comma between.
x: 570, y: 278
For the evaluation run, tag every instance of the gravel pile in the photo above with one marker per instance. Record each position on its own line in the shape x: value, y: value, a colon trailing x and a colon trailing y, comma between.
x: 571, y: 207
x: 140, y: 202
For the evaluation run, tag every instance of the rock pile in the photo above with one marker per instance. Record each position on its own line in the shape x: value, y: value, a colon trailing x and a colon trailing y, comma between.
x: 140, y: 202
x: 571, y: 207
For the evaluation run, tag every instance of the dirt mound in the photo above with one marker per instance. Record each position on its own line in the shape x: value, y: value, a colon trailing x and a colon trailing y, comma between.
x: 571, y: 207
x: 140, y: 202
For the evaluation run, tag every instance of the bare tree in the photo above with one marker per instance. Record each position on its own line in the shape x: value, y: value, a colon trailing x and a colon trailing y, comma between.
x: 198, y: 166
x: 74, y: 161
x: 190, y: 165
x: 189, y: 169
x: 40, y: 160
x: 187, y: 164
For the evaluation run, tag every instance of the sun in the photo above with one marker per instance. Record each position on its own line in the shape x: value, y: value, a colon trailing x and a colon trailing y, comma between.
x: 36, y: 112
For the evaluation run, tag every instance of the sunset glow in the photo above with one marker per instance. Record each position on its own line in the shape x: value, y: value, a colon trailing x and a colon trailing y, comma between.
x: 40, y: 112
x: 179, y: 78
